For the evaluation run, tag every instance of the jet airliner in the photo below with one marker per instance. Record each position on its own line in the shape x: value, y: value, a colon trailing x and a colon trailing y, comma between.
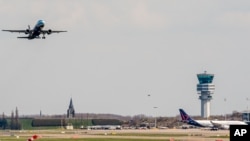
x: 36, y: 31
x: 220, y: 124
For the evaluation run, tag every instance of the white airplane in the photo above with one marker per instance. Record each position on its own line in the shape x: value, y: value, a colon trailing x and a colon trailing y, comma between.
x: 36, y: 31
x: 213, y: 124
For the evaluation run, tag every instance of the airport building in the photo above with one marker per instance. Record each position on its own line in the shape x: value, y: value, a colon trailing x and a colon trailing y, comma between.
x: 246, y: 116
x: 205, y: 89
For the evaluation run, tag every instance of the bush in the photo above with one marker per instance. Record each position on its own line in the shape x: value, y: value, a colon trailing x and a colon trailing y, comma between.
x: 3, y: 123
x: 48, y: 122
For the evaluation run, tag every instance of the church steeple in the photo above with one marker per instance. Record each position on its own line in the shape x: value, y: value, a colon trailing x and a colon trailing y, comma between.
x: 71, y: 110
x: 71, y: 104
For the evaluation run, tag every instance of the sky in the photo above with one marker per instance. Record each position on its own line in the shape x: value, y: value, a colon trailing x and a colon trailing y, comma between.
x: 125, y: 56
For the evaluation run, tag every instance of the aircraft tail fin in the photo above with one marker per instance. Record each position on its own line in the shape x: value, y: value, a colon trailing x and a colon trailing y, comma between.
x: 184, y: 115
x: 187, y: 119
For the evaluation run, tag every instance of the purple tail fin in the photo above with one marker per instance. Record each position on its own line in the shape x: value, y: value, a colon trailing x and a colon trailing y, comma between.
x: 184, y: 115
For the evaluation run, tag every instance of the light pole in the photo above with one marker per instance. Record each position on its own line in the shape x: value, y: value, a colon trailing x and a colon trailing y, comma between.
x: 225, y: 112
x: 247, y: 110
x: 155, y: 118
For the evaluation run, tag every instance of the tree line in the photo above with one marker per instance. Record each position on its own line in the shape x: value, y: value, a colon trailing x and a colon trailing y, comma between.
x: 14, y: 122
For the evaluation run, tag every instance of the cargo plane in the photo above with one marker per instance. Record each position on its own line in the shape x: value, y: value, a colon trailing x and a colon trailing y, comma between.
x: 36, y: 31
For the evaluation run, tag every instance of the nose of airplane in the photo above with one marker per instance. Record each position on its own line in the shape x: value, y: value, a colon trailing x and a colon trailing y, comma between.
x: 41, y: 23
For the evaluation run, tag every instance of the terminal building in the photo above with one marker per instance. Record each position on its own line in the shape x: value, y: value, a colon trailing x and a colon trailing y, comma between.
x: 205, y: 89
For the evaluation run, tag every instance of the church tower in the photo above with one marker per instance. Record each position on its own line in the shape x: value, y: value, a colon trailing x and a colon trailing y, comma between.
x: 71, y: 110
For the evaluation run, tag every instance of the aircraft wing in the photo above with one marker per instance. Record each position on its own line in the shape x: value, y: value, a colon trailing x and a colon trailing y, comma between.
x: 220, y: 125
x: 57, y: 31
x: 215, y: 124
x: 18, y: 31
x: 52, y: 31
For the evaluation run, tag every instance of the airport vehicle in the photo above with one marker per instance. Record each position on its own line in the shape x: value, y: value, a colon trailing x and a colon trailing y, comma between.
x: 36, y: 31
x: 212, y: 124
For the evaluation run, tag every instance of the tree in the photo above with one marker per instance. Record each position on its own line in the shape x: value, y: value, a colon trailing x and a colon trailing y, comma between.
x: 12, y: 122
x: 17, y: 123
x: 3, y: 122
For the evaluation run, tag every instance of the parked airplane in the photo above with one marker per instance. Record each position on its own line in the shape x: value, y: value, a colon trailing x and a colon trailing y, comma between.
x: 36, y: 31
x: 213, y: 124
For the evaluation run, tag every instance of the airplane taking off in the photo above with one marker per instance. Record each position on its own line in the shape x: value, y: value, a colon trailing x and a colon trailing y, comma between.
x: 213, y: 124
x: 36, y: 31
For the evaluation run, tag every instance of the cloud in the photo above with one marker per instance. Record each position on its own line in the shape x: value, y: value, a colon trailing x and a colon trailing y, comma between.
x: 130, y: 14
x: 90, y: 14
x: 142, y: 17
x: 234, y: 19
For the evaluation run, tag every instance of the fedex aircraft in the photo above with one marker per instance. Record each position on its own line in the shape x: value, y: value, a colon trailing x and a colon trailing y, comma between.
x: 224, y: 124
x: 36, y: 31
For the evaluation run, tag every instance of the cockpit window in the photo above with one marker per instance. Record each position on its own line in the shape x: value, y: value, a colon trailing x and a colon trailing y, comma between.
x: 40, y: 23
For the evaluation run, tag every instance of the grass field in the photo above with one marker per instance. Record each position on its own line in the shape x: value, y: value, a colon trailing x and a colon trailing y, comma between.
x: 81, y: 139
x: 115, y: 135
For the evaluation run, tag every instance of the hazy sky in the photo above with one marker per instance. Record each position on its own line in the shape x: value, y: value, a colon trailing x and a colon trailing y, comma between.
x: 116, y: 52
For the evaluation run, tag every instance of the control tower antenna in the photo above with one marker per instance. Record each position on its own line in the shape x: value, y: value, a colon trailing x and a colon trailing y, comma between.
x: 205, y: 89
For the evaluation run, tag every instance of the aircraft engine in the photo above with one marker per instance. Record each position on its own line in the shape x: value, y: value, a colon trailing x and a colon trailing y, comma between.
x: 27, y: 31
x: 225, y: 127
x: 49, y: 31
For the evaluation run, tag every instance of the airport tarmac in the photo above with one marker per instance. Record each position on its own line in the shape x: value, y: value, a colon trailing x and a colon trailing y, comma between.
x: 163, y: 134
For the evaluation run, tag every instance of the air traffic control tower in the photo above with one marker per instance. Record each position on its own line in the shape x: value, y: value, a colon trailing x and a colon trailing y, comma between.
x: 205, y: 89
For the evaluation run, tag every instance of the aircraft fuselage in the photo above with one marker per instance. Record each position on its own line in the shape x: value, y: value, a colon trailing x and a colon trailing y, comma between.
x: 37, y: 30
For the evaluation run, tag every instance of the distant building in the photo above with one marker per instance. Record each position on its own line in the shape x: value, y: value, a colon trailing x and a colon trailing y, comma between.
x: 246, y: 116
x: 71, y: 110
